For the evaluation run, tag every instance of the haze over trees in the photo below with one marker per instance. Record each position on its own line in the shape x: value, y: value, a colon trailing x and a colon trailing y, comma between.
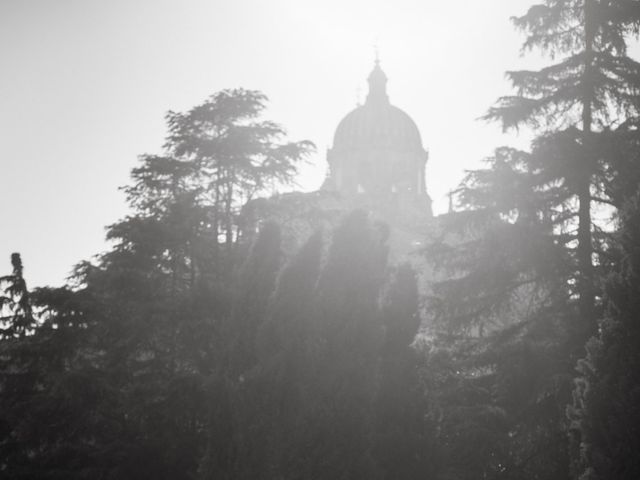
x: 206, y: 344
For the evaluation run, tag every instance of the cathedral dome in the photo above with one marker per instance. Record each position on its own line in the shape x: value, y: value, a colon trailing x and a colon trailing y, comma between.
x: 377, y: 123
x: 383, y: 126
x: 377, y: 153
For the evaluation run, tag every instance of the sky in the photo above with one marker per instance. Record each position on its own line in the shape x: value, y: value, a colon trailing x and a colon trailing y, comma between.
x: 85, y: 85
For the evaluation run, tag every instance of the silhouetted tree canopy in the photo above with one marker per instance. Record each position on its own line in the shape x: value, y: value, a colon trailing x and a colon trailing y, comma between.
x: 225, y: 335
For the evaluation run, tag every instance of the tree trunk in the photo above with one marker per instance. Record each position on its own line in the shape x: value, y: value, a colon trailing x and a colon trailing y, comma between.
x: 585, y: 248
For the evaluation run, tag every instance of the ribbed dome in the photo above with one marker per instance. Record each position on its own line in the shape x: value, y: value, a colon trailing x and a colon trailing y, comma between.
x: 379, y: 125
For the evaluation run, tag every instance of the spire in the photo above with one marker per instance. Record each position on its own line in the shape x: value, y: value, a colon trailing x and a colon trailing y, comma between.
x: 377, y: 83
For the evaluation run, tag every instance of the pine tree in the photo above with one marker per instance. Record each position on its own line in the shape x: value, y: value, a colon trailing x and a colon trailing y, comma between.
x: 164, y: 293
x: 52, y: 389
x: 235, y: 154
x: 575, y: 99
x: 501, y: 255
x: 605, y: 413
x: 585, y: 101
x: 19, y: 320
x: 117, y: 380
x: 521, y: 293
x: 501, y: 326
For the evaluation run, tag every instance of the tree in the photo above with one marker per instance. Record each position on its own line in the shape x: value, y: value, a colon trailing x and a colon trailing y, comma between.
x: 588, y: 100
x: 304, y: 406
x: 502, y: 253
x: 238, y: 407
x: 165, y: 292
x: 521, y: 293
x: 500, y: 328
x: 267, y: 400
x: 115, y: 379
x: 218, y: 156
x: 576, y: 99
x: 235, y: 155
x: 336, y: 422
x: 19, y: 320
x: 605, y: 411
x: 252, y: 291
x: 285, y: 342
x: 53, y: 423
x: 404, y: 440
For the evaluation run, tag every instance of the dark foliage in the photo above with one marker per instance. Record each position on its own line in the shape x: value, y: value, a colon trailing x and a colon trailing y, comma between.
x: 605, y: 414
x: 522, y: 262
x: 205, y: 344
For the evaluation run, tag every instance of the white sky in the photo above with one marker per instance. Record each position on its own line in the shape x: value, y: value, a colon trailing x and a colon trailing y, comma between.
x: 85, y: 84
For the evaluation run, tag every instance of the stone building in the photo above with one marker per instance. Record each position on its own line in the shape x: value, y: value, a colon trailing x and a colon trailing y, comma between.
x: 377, y: 162
x: 377, y: 158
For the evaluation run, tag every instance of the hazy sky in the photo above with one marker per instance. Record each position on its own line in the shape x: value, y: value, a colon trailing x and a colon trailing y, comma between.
x: 85, y: 85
